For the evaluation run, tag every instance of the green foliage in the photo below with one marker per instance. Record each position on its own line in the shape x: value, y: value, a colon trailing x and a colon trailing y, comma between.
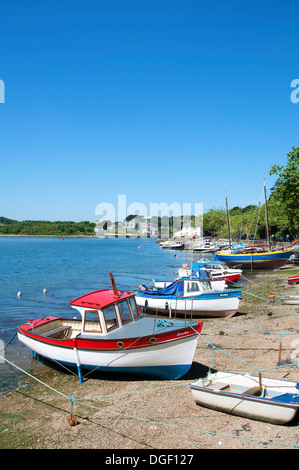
x: 285, y: 191
x: 41, y: 227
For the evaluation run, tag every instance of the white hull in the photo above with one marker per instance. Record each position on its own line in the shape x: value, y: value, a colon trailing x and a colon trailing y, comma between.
x: 208, y: 393
x: 178, y: 352
x: 218, y: 307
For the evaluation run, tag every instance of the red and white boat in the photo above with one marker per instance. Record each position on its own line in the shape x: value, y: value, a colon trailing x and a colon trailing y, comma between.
x: 293, y: 280
x: 112, y: 336
x: 218, y: 270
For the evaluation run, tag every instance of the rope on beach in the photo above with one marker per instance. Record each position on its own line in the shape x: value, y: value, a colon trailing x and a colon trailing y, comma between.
x: 72, y: 420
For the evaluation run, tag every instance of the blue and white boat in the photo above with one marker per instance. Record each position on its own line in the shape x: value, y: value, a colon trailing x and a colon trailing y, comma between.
x: 264, y: 399
x: 189, y: 297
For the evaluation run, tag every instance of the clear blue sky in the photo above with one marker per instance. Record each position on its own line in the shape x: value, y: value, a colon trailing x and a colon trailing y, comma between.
x: 160, y: 100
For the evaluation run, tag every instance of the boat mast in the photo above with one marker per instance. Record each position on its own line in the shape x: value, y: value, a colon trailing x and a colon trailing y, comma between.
x: 115, y: 291
x: 267, y: 220
x: 228, y: 223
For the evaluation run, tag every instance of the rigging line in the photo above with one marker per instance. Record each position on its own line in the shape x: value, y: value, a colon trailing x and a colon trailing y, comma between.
x: 32, y: 376
x: 186, y: 428
x: 249, y: 329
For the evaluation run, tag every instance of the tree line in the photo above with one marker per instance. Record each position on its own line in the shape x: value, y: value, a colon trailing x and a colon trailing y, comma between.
x: 43, y: 227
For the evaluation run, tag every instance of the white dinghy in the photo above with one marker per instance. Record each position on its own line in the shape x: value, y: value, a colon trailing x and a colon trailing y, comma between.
x: 264, y: 399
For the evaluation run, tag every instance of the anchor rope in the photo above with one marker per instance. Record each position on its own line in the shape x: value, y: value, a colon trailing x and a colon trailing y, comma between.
x: 83, y: 400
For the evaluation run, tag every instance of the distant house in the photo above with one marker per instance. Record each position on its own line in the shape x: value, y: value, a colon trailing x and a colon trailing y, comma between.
x: 189, y: 232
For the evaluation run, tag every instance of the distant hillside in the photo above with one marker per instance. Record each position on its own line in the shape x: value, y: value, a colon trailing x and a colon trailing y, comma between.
x: 43, y: 227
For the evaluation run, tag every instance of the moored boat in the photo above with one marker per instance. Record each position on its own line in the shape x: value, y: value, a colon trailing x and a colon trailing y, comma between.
x: 293, y: 279
x: 189, y: 297
x: 112, y: 336
x: 254, y: 256
x: 290, y: 300
x: 219, y: 270
x: 255, y: 259
x: 264, y: 399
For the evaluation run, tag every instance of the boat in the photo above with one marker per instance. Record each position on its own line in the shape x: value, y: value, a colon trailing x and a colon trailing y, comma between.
x: 295, y: 257
x: 204, y: 247
x: 216, y: 285
x: 218, y: 270
x: 166, y: 244
x: 189, y: 297
x: 293, y: 279
x: 111, y: 335
x: 254, y: 259
x: 264, y: 399
x: 192, y: 274
x: 177, y: 245
x: 290, y: 300
x: 254, y: 256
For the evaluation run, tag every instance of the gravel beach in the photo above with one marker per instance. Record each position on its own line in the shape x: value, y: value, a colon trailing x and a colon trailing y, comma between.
x: 115, y: 413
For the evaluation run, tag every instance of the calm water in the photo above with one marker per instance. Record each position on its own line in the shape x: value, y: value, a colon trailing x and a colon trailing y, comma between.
x: 67, y: 269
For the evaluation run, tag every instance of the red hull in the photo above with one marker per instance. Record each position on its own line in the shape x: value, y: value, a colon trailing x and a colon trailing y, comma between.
x: 293, y: 280
x: 229, y: 278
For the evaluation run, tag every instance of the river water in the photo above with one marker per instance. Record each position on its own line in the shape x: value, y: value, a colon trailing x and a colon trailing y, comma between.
x: 68, y: 268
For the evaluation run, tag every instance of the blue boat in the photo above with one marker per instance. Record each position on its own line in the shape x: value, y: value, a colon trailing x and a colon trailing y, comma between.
x: 188, y: 297
x: 251, y: 259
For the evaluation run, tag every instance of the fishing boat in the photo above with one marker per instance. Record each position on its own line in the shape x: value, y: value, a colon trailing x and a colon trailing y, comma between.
x: 111, y: 335
x: 186, y: 273
x: 290, y: 300
x: 204, y: 247
x: 263, y: 259
x: 189, y: 297
x: 216, y: 285
x: 254, y: 256
x: 177, y: 245
x: 264, y: 399
x: 219, y: 270
x: 293, y: 279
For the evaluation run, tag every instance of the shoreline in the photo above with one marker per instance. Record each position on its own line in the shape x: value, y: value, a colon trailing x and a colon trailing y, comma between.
x: 137, y: 414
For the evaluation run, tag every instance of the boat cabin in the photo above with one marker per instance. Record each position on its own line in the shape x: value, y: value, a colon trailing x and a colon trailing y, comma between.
x: 103, y: 312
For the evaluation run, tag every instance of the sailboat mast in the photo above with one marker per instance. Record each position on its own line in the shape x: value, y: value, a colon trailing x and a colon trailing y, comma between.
x: 267, y: 220
x: 228, y: 223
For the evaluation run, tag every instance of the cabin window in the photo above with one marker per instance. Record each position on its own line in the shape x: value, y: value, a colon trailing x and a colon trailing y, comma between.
x: 124, y: 312
x: 92, y: 321
x: 110, y: 317
x: 206, y: 285
x: 192, y: 287
x: 134, y: 308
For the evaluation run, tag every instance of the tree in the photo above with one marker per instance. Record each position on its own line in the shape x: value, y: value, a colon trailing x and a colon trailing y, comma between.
x: 286, y: 188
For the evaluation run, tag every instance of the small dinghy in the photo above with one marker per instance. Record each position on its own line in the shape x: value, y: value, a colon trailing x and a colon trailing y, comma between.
x: 291, y: 300
x: 264, y: 399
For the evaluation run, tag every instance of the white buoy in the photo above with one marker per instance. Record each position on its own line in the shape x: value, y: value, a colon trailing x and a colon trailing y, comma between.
x: 44, y: 291
x: 19, y: 293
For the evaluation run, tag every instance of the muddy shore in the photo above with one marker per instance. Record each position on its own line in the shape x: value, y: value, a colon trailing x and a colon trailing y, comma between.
x: 116, y: 413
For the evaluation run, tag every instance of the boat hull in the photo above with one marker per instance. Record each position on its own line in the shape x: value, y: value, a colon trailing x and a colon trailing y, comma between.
x: 216, y: 304
x: 168, y: 357
x: 276, y: 410
x: 293, y: 280
x: 263, y: 260
x: 292, y: 300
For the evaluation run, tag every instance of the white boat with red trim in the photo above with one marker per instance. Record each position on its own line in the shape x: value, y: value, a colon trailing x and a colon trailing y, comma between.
x: 113, y: 336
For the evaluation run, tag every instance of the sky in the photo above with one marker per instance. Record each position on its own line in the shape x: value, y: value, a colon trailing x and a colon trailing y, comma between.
x: 157, y: 101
